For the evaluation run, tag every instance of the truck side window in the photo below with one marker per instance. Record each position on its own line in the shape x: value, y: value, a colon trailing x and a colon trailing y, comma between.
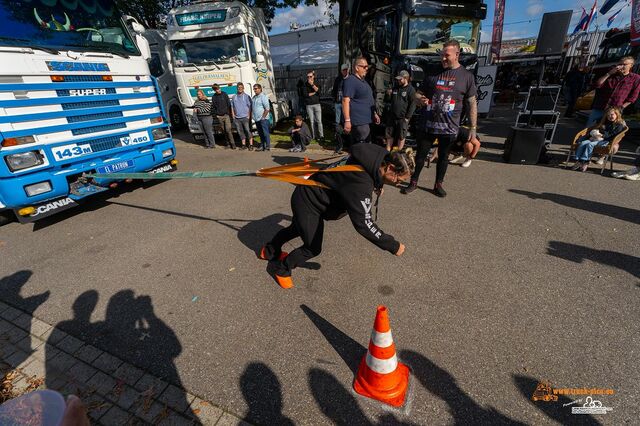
x: 155, y: 65
x: 384, y: 34
x: 252, y: 50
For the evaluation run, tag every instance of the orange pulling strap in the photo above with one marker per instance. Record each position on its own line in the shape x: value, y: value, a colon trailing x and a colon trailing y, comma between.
x: 291, y: 172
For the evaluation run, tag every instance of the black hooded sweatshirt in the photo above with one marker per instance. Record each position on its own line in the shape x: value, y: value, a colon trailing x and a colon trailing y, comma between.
x: 350, y: 193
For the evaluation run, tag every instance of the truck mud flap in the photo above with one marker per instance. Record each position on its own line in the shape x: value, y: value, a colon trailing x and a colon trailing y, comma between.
x: 47, y: 209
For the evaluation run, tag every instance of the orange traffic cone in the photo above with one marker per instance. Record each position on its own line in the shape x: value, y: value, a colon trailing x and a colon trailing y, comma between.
x: 380, y: 375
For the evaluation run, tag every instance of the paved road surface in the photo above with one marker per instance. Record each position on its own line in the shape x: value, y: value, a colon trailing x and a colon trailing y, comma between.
x: 522, y: 274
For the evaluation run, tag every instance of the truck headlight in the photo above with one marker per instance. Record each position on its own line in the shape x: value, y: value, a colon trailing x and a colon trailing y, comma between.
x: 159, y: 133
x: 167, y: 153
x: 37, y: 188
x: 23, y: 160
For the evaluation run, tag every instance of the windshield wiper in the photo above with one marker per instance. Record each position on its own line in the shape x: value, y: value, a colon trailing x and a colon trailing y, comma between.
x: 31, y: 46
x: 191, y: 64
x: 98, y: 49
x: 211, y: 61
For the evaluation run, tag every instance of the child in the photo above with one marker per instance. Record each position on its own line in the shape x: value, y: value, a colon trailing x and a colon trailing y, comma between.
x: 300, y: 135
x: 610, y: 126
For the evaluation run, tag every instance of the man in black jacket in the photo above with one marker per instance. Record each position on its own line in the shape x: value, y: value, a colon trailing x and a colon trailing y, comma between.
x: 347, y: 193
x: 221, y: 109
x: 336, y: 94
x: 402, y: 100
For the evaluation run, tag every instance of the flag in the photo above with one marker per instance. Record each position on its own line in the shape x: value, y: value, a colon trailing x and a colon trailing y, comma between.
x: 606, y: 7
x: 592, y: 15
x: 613, y: 17
x: 498, y: 20
x: 581, y: 23
x: 635, y: 22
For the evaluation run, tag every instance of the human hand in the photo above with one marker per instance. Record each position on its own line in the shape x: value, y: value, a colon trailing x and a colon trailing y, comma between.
x: 379, y: 191
x: 424, y: 101
x: 347, y: 127
x: 472, y: 135
x: 376, y: 118
x: 400, y: 250
x: 76, y: 413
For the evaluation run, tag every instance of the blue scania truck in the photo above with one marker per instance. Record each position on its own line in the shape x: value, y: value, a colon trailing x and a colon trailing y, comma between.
x: 76, y: 97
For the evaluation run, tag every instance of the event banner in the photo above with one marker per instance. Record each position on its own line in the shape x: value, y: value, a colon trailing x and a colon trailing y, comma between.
x: 498, y: 20
x: 635, y: 22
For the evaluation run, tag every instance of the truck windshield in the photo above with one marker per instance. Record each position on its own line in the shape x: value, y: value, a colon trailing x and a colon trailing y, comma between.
x: 87, y: 25
x: 427, y: 34
x: 210, y: 50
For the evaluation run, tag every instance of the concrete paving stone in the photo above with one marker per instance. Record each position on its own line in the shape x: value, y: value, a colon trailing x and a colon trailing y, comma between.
x: 97, y: 406
x: 148, y: 381
x: 45, y: 351
x: 151, y: 413
x: 18, y: 359
x: 23, y: 321
x: 35, y: 368
x: 4, y: 368
x: 175, y: 419
x: 128, y: 373
x: 88, y: 353
x: 29, y: 344
x: 115, y: 416
x: 103, y: 383
x: 107, y: 363
x: 205, y: 412
x: 176, y: 398
x: 10, y: 313
x: 3, y: 306
x: 4, y: 325
x: 38, y: 327
x: 228, y: 419
x: 6, y: 349
x: 124, y: 396
x: 70, y: 344
x: 14, y: 334
x: 62, y: 362
x: 57, y: 383
x: 53, y: 335
x: 82, y: 372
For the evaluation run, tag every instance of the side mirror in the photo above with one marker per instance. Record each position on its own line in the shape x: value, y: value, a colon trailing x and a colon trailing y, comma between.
x: 137, y: 27
x: 258, y: 45
x: 143, y: 45
x: 259, y: 57
x: 382, y: 21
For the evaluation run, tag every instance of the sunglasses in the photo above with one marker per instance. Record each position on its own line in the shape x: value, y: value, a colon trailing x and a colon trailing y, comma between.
x: 363, y: 66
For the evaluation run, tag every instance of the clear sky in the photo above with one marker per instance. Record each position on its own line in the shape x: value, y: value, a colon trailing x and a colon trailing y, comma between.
x: 522, y: 17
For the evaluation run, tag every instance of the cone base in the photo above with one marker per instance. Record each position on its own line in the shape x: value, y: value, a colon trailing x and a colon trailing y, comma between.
x: 395, y: 396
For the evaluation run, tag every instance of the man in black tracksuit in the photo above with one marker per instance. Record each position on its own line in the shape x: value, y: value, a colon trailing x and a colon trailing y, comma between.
x: 402, y: 105
x: 348, y: 193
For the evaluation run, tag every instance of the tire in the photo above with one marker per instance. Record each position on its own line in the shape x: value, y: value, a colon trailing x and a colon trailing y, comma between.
x: 175, y: 118
x: 7, y: 217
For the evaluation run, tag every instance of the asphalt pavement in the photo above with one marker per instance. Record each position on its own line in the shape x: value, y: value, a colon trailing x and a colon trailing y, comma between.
x: 521, y: 274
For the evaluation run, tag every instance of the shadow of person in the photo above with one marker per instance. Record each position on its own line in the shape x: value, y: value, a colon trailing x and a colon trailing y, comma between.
x: 10, y: 289
x: 578, y: 254
x: 554, y: 410
x: 263, y: 393
x: 335, y: 402
x: 11, y: 286
x: 443, y: 385
x: 616, y: 212
x: 132, y: 331
x: 349, y: 350
x: 79, y: 326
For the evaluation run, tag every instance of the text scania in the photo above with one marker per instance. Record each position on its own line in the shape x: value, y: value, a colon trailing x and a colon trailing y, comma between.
x: 87, y: 92
x: 54, y: 205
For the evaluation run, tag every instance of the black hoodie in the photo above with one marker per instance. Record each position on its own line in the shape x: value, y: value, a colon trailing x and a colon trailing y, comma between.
x: 350, y: 192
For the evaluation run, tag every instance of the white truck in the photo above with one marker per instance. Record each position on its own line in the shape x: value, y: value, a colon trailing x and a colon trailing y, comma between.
x: 220, y: 43
x: 76, y: 97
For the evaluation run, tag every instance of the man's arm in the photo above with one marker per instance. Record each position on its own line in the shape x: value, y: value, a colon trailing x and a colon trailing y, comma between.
x: 472, y: 105
x: 601, y: 80
x: 633, y: 95
x: 411, y: 108
x: 265, y: 104
x: 346, y: 113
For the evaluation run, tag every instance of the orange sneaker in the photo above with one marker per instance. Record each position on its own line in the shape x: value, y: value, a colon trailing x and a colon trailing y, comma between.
x: 284, y: 282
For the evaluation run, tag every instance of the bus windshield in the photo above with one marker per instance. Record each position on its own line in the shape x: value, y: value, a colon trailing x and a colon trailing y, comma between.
x: 87, y: 25
x: 210, y: 50
x: 427, y: 34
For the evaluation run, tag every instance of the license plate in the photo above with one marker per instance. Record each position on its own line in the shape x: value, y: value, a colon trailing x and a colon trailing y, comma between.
x: 115, y: 167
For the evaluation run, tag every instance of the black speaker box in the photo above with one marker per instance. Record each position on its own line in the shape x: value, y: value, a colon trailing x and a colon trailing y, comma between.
x: 553, y: 32
x: 524, y: 144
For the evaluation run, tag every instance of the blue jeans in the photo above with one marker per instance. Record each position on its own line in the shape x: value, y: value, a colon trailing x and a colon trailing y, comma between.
x: 263, y: 132
x: 595, y: 117
x: 315, y: 117
x: 585, y: 149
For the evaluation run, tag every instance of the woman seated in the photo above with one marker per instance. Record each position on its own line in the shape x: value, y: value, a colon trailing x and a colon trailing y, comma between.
x: 602, y: 134
x: 300, y: 135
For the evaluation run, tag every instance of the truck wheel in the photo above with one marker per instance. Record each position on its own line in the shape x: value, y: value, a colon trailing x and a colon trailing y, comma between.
x: 175, y: 116
x: 6, y: 217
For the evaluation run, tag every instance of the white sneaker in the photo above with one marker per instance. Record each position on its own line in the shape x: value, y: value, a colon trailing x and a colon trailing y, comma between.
x: 635, y: 176
x: 618, y: 174
x: 457, y: 160
x: 467, y: 162
x: 600, y: 161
